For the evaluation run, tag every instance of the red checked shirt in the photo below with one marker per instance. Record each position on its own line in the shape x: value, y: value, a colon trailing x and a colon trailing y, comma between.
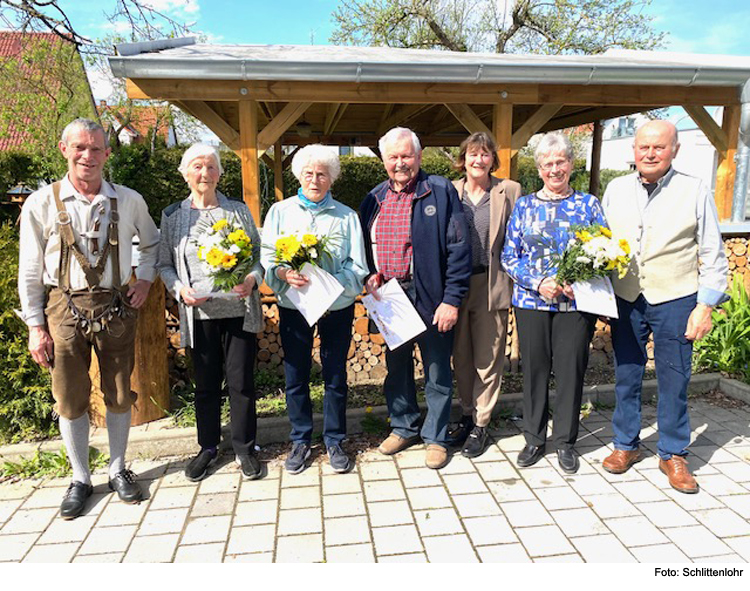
x: 393, y: 233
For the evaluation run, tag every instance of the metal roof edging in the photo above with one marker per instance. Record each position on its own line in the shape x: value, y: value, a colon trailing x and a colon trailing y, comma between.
x: 358, y: 71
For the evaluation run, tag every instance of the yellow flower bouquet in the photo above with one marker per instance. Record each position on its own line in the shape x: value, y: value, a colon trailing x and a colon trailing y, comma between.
x: 299, y: 248
x: 226, y: 251
x: 591, y: 253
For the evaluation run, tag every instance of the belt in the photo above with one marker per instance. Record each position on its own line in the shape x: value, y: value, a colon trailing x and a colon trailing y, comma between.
x: 479, y: 269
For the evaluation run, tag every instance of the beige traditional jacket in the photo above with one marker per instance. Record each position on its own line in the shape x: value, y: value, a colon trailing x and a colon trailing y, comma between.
x: 503, y: 195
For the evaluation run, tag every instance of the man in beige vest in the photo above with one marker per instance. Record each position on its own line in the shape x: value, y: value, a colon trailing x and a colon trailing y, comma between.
x: 677, y: 275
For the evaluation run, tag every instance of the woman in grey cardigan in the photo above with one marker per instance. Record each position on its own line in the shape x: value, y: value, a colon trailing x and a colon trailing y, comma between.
x: 220, y: 331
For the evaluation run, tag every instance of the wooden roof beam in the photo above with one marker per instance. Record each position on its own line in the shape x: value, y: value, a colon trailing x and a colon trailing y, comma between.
x: 288, y: 158
x: 215, y: 122
x: 532, y: 125
x: 401, y: 116
x: 387, y: 110
x: 437, y: 93
x: 279, y: 124
x: 268, y: 160
x: 714, y: 133
x: 468, y: 118
x: 334, y: 113
x: 563, y: 121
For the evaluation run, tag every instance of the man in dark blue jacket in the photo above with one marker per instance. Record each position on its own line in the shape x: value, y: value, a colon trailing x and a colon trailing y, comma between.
x: 415, y: 232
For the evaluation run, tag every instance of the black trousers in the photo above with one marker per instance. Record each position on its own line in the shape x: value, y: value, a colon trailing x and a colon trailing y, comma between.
x: 560, y: 340
x: 222, y: 348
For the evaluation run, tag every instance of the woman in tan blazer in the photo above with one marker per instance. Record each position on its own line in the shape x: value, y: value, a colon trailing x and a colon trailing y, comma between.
x: 479, y: 339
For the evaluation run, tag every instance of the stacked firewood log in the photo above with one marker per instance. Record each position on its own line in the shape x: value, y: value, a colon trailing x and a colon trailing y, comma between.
x: 366, y: 358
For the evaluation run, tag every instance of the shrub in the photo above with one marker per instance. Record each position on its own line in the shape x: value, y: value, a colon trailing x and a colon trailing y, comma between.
x: 727, y: 347
x: 155, y: 176
x: 25, y: 395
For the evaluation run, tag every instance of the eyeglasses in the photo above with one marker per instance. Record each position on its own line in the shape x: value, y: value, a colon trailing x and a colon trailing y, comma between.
x: 547, y: 166
x: 308, y: 175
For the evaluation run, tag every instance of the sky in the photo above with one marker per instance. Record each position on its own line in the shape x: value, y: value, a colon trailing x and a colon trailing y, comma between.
x: 693, y: 26
x: 697, y: 26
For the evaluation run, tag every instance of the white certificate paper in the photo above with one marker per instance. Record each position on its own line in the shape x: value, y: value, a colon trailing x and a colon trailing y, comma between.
x: 394, y: 315
x: 596, y: 296
x: 315, y: 297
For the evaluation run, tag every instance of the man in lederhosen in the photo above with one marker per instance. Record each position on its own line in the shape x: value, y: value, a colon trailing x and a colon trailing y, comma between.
x: 74, y: 269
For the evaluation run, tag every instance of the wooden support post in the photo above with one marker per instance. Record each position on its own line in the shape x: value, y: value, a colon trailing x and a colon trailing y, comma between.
x: 514, y: 167
x: 727, y: 168
x: 502, y: 124
x: 278, y: 171
x: 150, y: 377
x: 249, y: 157
x: 596, y: 158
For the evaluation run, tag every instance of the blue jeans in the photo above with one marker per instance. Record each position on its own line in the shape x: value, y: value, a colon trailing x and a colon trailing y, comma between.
x: 401, y: 394
x: 335, y: 329
x: 672, y: 357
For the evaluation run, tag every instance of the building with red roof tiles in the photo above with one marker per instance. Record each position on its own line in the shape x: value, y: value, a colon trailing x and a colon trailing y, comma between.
x: 44, y: 86
x: 134, y: 124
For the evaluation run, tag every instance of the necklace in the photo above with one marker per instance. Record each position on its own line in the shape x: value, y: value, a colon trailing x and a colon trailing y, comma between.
x: 544, y: 194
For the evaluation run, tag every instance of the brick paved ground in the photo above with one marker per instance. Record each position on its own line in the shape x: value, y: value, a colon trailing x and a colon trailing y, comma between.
x: 393, y: 509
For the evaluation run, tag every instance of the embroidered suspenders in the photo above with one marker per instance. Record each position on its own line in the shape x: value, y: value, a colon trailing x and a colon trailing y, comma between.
x: 95, y: 307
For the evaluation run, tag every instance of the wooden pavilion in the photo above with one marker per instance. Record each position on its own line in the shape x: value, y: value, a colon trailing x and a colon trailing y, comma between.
x: 258, y: 98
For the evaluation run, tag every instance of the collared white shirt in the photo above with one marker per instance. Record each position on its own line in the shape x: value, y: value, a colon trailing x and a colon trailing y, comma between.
x: 40, y: 241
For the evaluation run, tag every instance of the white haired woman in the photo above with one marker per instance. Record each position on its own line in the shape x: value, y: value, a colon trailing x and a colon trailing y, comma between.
x: 219, y: 331
x: 551, y: 332
x: 314, y: 210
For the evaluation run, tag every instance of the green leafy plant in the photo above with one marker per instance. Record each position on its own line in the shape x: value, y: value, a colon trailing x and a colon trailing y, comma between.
x: 373, y: 424
x: 48, y: 464
x: 25, y: 395
x: 727, y: 347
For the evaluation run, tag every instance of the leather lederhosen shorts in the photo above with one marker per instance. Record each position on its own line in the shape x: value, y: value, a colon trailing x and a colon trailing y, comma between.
x: 114, y: 344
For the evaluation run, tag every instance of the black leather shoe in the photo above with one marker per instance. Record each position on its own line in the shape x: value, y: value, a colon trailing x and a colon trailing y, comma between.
x: 458, y: 436
x: 568, y: 460
x: 75, y: 499
x: 476, y: 443
x: 126, y: 487
x: 249, y: 466
x: 530, y: 455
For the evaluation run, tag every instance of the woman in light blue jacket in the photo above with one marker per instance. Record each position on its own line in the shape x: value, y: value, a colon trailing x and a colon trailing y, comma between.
x: 313, y: 210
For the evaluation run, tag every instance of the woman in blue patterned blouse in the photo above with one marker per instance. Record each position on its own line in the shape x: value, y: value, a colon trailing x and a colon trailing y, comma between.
x: 552, y: 334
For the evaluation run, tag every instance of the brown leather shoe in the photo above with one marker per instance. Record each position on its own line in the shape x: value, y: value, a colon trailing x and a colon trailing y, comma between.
x: 680, y: 478
x: 395, y: 443
x: 436, y: 456
x: 620, y: 460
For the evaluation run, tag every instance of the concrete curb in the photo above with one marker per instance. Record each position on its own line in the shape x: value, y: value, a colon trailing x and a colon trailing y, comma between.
x: 159, y: 439
x: 735, y: 389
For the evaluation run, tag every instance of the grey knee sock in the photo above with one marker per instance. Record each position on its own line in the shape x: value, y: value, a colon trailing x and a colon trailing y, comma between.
x: 118, y: 429
x: 75, y: 436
